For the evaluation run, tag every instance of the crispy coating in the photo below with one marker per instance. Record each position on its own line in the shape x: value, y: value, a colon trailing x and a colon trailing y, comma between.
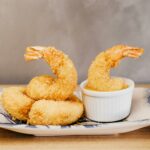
x: 41, y: 112
x: 47, y: 87
x: 51, y: 112
x: 99, y: 72
x: 16, y: 103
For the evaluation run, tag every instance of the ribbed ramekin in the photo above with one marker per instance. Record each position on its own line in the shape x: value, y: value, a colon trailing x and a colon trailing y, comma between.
x: 107, y: 106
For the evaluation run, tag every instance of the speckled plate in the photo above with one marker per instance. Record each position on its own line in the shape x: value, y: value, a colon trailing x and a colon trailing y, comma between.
x: 138, y: 118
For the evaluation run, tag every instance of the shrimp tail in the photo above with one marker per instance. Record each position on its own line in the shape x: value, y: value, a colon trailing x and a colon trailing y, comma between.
x: 33, y: 53
x: 118, y: 52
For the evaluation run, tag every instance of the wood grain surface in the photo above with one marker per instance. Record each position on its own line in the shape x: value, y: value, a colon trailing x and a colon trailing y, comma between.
x: 136, y: 140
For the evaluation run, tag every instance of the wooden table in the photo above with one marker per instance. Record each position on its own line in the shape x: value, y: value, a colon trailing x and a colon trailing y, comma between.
x: 136, y: 140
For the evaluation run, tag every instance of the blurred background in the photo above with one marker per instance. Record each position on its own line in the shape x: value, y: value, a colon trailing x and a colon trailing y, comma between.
x: 81, y: 28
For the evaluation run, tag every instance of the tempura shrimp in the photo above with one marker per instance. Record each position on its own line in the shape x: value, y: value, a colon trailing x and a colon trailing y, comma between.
x: 99, y: 72
x: 45, y: 86
x: 52, y: 112
x: 16, y: 102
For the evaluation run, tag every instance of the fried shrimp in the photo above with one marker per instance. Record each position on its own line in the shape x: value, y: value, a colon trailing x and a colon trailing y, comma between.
x: 56, y: 112
x: 99, y: 72
x: 47, y: 87
x: 16, y: 103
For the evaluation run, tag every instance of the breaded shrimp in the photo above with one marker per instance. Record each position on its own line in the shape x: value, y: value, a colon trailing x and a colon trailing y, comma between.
x: 16, y: 103
x: 51, y: 112
x: 47, y: 87
x: 99, y: 72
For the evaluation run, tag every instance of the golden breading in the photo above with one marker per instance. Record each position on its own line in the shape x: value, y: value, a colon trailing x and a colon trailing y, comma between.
x: 99, y: 72
x: 16, y: 103
x: 51, y: 112
x: 46, y: 87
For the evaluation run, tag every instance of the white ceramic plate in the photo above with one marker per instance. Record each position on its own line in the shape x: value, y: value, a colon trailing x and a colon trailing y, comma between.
x: 138, y: 118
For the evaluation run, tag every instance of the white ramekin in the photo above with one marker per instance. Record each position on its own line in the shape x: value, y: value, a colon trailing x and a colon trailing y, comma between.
x: 107, y: 106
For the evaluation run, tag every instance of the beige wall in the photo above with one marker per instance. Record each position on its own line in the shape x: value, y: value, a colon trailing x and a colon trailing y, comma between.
x: 82, y: 28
